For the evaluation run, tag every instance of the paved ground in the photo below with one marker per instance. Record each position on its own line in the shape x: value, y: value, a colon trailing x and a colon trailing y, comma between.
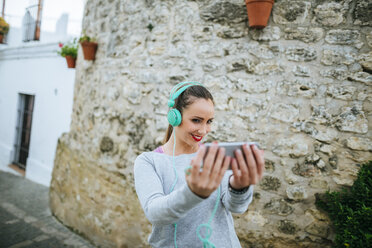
x: 26, y: 220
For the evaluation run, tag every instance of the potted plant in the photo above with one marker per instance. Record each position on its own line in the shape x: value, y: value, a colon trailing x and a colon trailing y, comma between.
x: 4, y: 29
x: 69, y: 51
x: 89, y: 47
x: 258, y: 12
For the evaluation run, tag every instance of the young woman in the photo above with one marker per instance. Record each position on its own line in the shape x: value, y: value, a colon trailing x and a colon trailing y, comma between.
x: 188, y: 194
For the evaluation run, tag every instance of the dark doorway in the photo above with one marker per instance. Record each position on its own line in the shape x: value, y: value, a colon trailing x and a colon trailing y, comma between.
x: 23, y: 129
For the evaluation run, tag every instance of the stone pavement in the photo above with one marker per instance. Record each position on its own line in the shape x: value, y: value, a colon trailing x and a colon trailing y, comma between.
x: 26, y: 220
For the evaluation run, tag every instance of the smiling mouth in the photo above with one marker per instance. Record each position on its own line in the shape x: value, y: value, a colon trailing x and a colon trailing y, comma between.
x: 197, y: 138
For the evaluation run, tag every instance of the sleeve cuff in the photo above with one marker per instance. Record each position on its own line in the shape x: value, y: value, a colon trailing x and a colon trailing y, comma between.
x: 242, y: 196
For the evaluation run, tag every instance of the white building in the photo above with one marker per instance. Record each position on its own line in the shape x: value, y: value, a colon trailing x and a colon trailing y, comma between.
x: 36, y: 87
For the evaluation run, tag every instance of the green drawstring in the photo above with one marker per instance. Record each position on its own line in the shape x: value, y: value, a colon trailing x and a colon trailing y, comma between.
x: 174, y: 184
x: 175, y: 235
x: 207, y: 226
x: 174, y: 163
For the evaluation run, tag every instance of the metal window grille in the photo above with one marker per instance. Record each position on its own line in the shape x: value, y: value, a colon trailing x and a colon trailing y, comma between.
x: 23, y: 129
x: 32, y: 22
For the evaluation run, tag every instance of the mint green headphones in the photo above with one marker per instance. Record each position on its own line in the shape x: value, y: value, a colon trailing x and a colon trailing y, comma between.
x: 174, y: 115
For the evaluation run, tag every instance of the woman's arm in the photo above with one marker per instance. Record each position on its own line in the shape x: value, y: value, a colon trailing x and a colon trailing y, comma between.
x: 160, y: 208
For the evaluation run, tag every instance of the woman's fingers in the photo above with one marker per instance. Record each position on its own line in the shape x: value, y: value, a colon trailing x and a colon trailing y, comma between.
x: 196, y: 162
x: 235, y: 169
x: 251, y: 162
x: 260, y: 161
x: 209, y: 160
x: 217, y: 164
x: 241, y: 162
x: 225, y: 166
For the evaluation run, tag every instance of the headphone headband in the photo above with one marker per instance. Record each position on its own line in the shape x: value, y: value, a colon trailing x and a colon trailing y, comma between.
x: 178, y: 89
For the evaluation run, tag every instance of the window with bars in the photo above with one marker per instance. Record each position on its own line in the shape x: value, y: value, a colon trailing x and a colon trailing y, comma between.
x: 23, y: 129
x: 32, y: 21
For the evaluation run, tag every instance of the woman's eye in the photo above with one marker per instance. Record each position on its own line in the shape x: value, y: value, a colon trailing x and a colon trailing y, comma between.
x: 209, y: 121
x: 196, y: 120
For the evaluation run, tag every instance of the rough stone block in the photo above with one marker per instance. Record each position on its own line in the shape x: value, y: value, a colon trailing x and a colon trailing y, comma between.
x: 224, y: 12
x: 362, y: 77
x: 106, y: 144
x: 337, y: 57
x: 266, y: 34
x: 318, y: 228
x: 366, y: 62
x: 279, y: 207
x: 327, y: 149
x: 237, y: 64
x: 318, y: 183
x: 359, y: 143
x: 261, y: 51
x: 269, y: 166
x: 301, y: 53
x: 320, y: 115
x: 253, y: 85
x: 265, y: 68
x: 369, y: 39
x: 352, y: 119
x: 341, y: 92
x: 297, y: 88
x: 305, y: 169
x: 270, y: 183
x: 301, y: 71
x: 363, y: 13
x: 293, y: 147
x: 232, y: 32
x: 303, y: 34
x: 285, y: 112
x: 291, y: 12
x: 340, y: 73
x: 344, y: 37
x: 330, y: 14
x: 297, y: 193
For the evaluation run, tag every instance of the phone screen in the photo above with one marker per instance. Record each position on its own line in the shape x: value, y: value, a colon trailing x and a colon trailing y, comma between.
x: 230, y: 147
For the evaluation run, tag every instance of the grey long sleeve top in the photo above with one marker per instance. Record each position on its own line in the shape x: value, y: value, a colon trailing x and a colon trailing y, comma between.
x: 154, y: 176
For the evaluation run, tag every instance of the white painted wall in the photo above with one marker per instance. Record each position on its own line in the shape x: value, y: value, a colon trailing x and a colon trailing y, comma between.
x: 48, y: 78
x: 34, y: 68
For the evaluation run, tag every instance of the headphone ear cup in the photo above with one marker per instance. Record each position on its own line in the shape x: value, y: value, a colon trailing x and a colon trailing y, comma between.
x: 174, y: 117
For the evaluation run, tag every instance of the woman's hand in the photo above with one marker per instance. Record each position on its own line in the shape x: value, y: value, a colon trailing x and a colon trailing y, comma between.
x: 204, y: 183
x: 247, y: 169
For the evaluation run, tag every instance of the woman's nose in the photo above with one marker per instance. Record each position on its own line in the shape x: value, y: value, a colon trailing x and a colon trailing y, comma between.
x: 203, y: 130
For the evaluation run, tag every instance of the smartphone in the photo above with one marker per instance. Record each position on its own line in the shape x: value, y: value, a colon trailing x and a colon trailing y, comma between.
x: 230, y: 147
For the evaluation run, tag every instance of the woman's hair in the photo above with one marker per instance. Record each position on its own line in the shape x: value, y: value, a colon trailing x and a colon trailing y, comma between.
x: 186, y: 98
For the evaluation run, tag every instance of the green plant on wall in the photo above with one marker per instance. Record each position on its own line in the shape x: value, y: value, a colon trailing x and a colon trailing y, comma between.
x: 86, y: 38
x: 4, y: 26
x: 351, y: 211
x: 69, y: 49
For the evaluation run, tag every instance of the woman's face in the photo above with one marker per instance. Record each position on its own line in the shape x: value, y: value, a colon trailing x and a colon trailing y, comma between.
x: 196, y: 121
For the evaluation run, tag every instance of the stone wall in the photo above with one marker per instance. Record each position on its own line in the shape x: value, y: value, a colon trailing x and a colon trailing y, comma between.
x: 301, y: 88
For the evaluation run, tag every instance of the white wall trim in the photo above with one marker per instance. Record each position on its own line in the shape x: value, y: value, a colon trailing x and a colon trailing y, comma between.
x: 31, y: 51
x: 38, y: 172
x: 5, y: 155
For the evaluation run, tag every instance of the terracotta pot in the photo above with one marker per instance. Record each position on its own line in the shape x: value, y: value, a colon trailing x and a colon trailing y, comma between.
x: 89, y: 50
x: 258, y: 12
x: 1, y: 38
x: 71, y: 61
